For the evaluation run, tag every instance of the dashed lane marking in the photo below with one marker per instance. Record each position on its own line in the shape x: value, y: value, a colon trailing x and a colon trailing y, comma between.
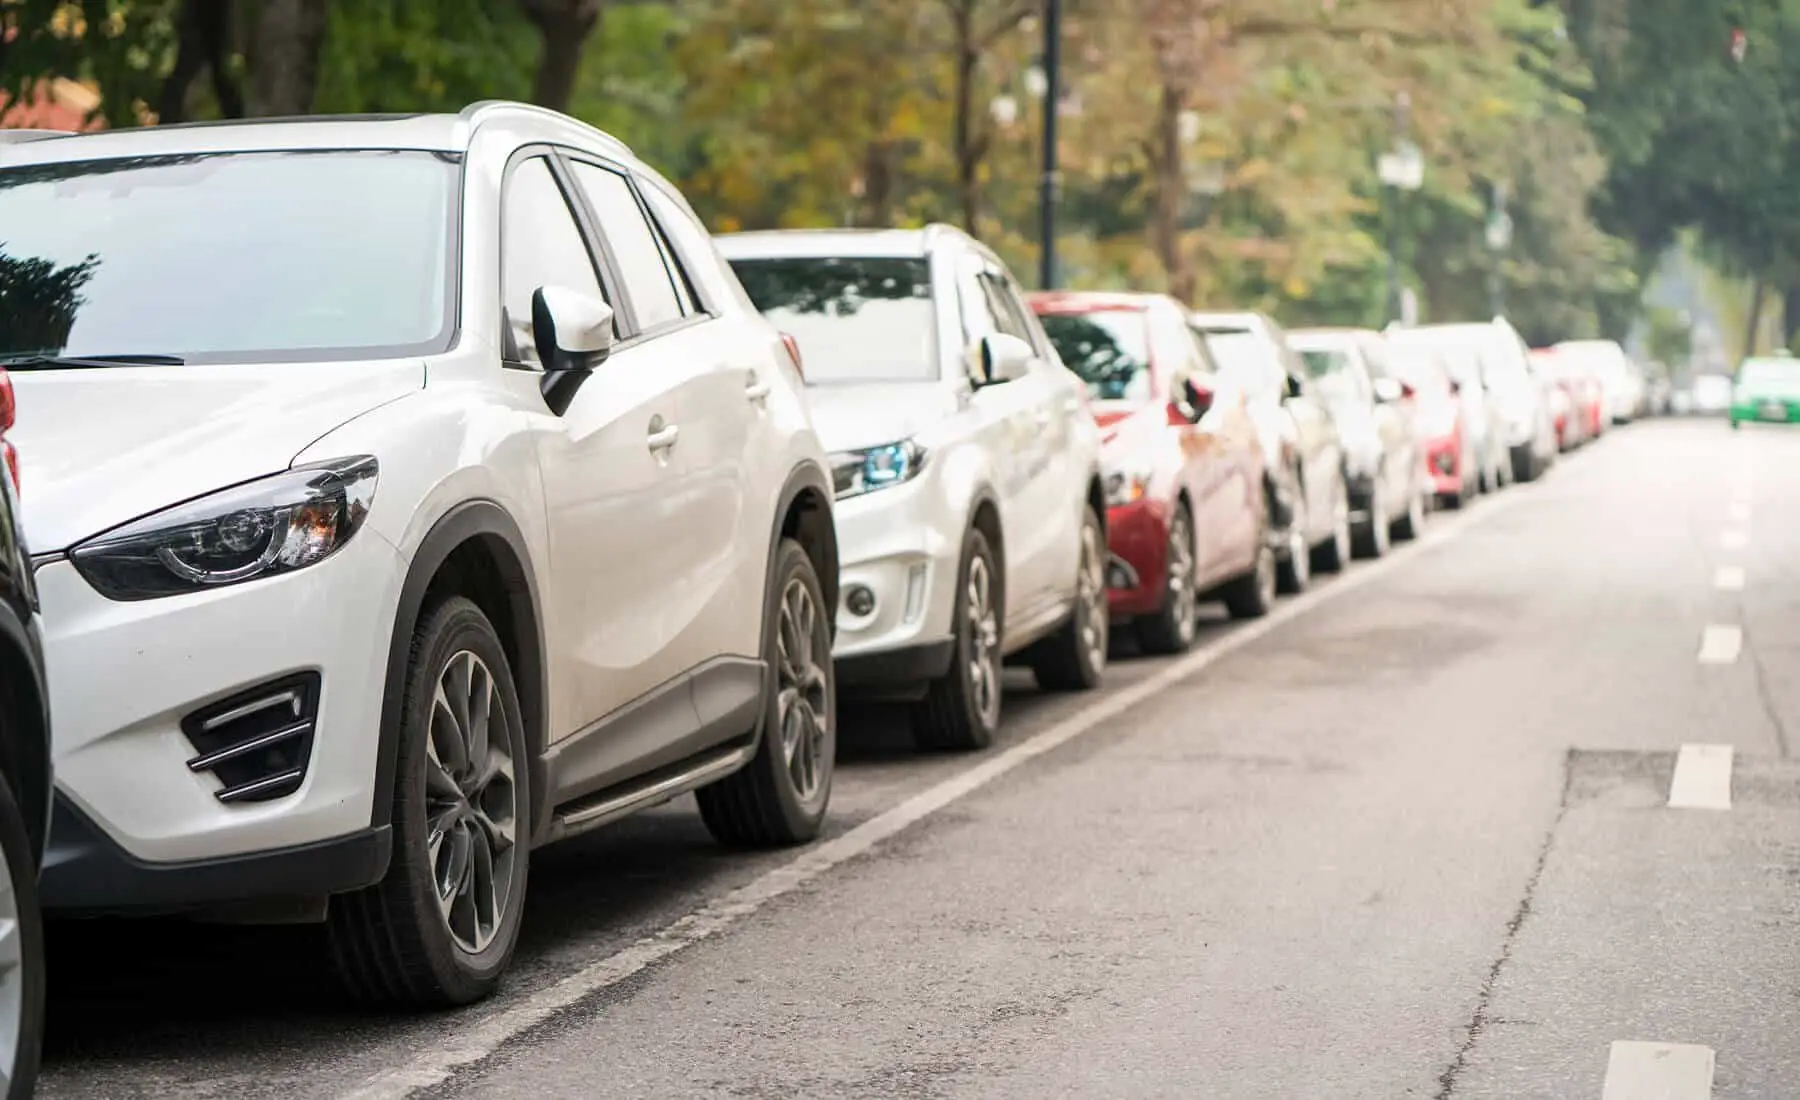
x: 1658, y: 1071
x: 1702, y: 778
x: 1734, y: 540
x: 1720, y: 644
x: 1729, y: 578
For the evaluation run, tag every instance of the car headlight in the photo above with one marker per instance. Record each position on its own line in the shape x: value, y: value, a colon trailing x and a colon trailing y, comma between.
x: 854, y: 473
x: 1126, y: 487
x: 273, y: 525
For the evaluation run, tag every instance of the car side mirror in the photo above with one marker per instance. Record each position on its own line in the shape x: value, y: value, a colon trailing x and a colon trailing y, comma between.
x: 1296, y: 387
x: 1455, y: 387
x: 573, y: 332
x: 999, y: 357
x: 1389, y: 390
x: 1192, y: 405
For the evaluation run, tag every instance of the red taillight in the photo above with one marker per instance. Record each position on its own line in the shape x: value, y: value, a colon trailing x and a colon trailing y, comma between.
x: 793, y: 347
x: 8, y: 413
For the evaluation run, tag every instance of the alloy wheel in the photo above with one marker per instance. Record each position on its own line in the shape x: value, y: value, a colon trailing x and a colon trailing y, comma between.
x: 984, y: 642
x: 802, y: 704
x: 1181, y: 569
x: 1090, y: 594
x: 12, y: 975
x: 471, y: 802
x: 1266, y: 570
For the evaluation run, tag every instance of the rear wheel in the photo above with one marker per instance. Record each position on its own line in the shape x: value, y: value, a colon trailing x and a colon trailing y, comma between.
x: 1372, y: 540
x: 1334, y: 554
x: 1293, y: 572
x: 779, y: 798
x: 961, y: 708
x: 1412, y: 524
x: 1073, y: 658
x: 21, y: 954
x: 440, y: 928
x: 1171, y: 628
x: 1252, y: 595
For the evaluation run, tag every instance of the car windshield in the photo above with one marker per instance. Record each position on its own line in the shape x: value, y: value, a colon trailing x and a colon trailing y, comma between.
x: 231, y: 257
x: 1332, y: 372
x: 856, y: 319
x: 1245, y: 359
x: 1781, y: 374
x: 1458, y: 357
x: 1108, y: 349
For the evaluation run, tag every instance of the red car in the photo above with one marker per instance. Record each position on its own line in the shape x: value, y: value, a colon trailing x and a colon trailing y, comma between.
x: 1186, y: 516
x: 1446, y: 443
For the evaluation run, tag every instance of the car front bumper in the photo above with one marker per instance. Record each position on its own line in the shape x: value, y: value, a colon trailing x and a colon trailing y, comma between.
x: 134, y: 802
x: 1770, y: 411
x: 1137, y: 534
x: 900, y: 549
x: 1444, y: 465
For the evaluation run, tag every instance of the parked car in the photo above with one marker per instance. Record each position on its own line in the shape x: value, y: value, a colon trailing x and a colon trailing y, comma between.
x: 1482, y: 419
x: 1309, y: 502
x: 1448, y: 446
x: 25, y: 777
x: 1522, y: 433
x: 1711, y: 395
x: 1383, y: 462
x: 1620, y: 379
x: 358, y: 588
x: 1766, y: 389
x: 972, y: 522
x: 1186, y: 514
x: 1562, y: 392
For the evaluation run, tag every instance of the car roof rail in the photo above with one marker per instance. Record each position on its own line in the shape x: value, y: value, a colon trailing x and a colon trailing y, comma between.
x: 22, y: 134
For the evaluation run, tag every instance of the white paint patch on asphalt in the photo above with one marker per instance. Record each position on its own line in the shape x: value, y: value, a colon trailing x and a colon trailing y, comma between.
x: 1702, y: 778
x: 1720, y: 644
x: 1658, y: 1071
x: 1734, y: 540
x: 1729, y: 578
x: 482, y: 1035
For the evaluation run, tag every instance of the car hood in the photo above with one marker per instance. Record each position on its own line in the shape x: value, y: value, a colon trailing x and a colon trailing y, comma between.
x: 856, y: 416
x: 101, y: 447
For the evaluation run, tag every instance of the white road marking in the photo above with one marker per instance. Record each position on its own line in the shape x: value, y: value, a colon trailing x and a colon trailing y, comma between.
x: 1658, y: 1071
x: 1702, y: 779
x: 1734, y: 540
x: 482, y: 1035
x: 1729, y: 578
x: 1720, y: 644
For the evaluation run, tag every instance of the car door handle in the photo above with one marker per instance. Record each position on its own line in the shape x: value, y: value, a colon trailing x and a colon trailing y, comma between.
x: 757, y: 390
x: 661, y: 439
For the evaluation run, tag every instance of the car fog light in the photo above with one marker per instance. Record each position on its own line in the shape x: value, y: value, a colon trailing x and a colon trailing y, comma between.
x: 915, y: 593
x: 859, y: 600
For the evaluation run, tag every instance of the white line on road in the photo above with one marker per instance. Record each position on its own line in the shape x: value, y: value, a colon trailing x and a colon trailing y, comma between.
x: 471, y: 1044
x: 1721, y: 644
x: 1702, y: 779
x: 1658, y: 1071
x: 1734, y: 540
x: 1729, y: 578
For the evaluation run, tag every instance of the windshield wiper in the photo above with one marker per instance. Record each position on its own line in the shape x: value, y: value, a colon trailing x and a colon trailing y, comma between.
x: 60, y: 362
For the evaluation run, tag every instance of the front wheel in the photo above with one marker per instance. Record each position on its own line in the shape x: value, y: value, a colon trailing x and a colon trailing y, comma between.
x: 1372, y: 541
x: 21, y: 955
x: 440, y: 928
x: 1412, y: 524
x: 1074, y: 657
x: 1171, y: 629
x: 961, y: 708
x: 1333, y: 555
x: 779, y: 798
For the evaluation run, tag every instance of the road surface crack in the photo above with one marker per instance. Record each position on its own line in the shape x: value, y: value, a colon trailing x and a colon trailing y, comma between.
x: 1479, y: 1022
x: 1770, y: 710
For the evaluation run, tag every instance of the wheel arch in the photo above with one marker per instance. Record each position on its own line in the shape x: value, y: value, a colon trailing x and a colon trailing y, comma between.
x: 475, y: 550
x: 804, y: 514
x: 25, y: 753
x: 984, y: 516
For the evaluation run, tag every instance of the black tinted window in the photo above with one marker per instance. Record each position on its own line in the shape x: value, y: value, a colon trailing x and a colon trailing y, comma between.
x: 223, y: 257
x: 1108, y: 349
x: 541, y: 247
x: 856, y: 319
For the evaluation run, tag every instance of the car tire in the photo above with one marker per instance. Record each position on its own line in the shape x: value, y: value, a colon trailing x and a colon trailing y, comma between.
x: 961, y: 709
x: 1372, y: 541
x: 1333, y: 555
x: 1293, y: 568
x: 25, y: 980
x: 1734, y: 424
x: 400, y: 941
x: 1172, y: 627
x: 780, y: 797
x: 1074, y: 658
x: 1252, y: 595
x: 1411, y: 525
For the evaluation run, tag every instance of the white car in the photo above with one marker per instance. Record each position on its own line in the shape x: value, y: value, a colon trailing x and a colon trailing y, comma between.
x: 1621, y: 381
x: 971, y: 513
x: 406, y: 493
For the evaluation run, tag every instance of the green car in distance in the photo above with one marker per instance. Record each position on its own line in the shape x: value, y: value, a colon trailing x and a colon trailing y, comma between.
x: 1767, y: 389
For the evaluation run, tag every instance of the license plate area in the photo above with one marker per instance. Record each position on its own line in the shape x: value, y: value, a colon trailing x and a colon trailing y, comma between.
x: 1773, y: 410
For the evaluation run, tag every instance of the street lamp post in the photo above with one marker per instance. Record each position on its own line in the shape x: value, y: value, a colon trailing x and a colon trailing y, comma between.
x: 1400, y: 171
x: 1499, y: 238
x: 1047, y: 182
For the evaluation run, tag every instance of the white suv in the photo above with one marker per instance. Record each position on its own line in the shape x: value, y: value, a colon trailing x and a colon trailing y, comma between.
x: 970, y: 506
x: 407, y: 493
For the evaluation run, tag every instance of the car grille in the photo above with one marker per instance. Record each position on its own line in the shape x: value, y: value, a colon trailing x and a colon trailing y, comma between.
x: 257, y: 743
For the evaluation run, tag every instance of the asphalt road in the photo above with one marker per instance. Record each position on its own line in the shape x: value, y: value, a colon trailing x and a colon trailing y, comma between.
x: 1410, y: 837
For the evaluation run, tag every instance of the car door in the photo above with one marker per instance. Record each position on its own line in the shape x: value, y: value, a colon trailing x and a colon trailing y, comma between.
x: 1208, y: 469
x: 1321, y: 455
x: 713, y: 606
x: 619, y: 506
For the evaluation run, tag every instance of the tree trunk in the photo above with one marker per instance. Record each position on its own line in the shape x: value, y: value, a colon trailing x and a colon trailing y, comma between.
x: 203, y: 41
x: 968, y: 151
x: 284, y: 57
x: 1166, y: 203
x: 564, y: 26
x: 1754, y: 322
x: 1790, y: 318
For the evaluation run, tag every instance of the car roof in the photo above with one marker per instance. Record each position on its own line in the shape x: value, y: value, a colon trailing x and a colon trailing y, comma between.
x: 446, y: 133
x: 1075, y: 301
x: 801, y: 243
x: 1235, y: 319
x: 1332, y: 336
